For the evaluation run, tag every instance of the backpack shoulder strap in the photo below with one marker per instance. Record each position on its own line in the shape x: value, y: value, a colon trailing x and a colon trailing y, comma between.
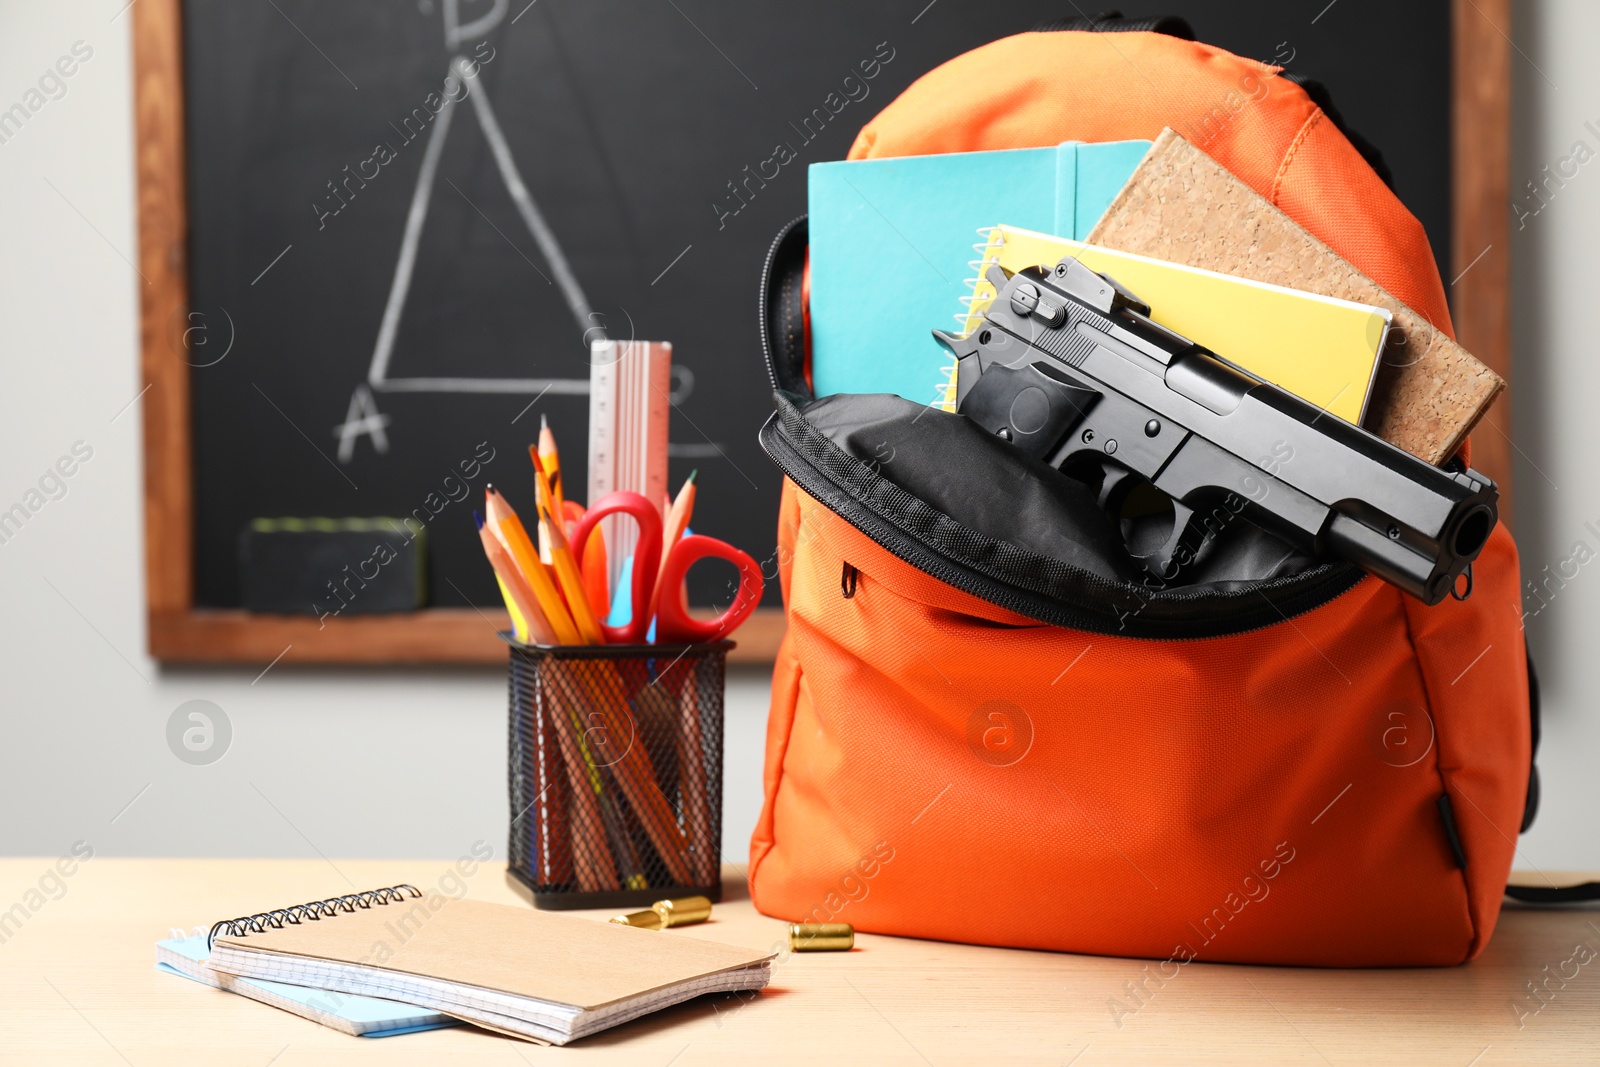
x: 1554, y: 894
x: 1541, y: 894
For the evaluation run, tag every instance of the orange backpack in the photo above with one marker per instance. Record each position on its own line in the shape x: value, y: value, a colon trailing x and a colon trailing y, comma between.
x: 971, y: 740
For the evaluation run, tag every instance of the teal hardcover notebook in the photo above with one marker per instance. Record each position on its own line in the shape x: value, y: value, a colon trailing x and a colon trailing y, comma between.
x: 346, y: 1012
x: 893, y: 243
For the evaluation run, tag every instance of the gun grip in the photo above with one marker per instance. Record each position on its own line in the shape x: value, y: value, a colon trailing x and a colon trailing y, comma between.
x: 1027, y: 406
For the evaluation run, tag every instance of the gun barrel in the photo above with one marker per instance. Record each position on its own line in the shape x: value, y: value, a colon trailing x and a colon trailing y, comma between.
x: 1428, y: 577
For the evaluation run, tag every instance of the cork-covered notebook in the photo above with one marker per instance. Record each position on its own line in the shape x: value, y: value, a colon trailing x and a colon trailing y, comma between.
x: 1181, y: 205
x: 530, y: 974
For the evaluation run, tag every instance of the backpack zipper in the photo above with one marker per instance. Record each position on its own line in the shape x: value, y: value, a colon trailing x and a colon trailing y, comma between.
x: 789, y: 459
x: 1301, y: 596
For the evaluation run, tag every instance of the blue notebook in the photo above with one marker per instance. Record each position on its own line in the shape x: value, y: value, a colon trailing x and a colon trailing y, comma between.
x: 346, y: 1012
x: 894, y: 244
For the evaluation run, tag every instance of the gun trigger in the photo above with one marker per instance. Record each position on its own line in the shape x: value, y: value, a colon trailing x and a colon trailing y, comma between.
x: 959, y: 346
x: 1115, y: 481
x: 1183, y: 542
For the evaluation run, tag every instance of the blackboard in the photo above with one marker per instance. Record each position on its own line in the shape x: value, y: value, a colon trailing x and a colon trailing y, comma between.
x: 308, y: 126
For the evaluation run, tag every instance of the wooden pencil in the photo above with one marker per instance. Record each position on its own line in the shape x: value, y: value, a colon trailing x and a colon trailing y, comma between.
x: 551, y: 458
x: 592, y: 857
x: 566, y: 567
x: 677, y: 522
x: 508, y: 529
x: 540, y: 631
x: 634, y: 773
x: 696, y: 802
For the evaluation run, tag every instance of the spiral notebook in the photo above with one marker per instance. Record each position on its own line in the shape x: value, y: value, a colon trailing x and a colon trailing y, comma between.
x: 543, y: 977
x: 1322, y: 349
x: 356, y: 1016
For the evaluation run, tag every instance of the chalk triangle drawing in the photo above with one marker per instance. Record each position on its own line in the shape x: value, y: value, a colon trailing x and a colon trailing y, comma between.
x: 456, y: 35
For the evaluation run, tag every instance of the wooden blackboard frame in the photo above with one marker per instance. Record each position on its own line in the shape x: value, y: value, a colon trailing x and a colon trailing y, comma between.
x: 180, y: 632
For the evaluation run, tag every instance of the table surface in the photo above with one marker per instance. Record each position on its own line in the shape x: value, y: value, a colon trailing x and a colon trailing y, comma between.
x: 78, y: 985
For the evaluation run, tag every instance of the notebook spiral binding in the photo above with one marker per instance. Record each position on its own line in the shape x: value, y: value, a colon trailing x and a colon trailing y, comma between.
x: 309, y: 912
x: 972, y: 304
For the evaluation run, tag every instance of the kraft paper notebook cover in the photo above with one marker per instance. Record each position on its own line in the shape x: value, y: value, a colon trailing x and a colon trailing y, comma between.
x: 356, y: 1016
x: 1321, y: 349
x: 1183, y: 206
x: 530, y: 974
x: 892, y: 248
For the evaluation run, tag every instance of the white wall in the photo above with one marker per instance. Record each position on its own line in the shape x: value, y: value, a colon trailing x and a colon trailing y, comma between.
x: 1554, y: 404
x: 410, y: 763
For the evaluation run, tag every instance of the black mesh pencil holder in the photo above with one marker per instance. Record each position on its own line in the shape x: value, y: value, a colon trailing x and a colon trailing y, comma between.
x: 616, y: 772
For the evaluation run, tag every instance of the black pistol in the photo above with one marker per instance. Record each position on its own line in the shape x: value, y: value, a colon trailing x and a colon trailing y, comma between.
x: 1068, y: 366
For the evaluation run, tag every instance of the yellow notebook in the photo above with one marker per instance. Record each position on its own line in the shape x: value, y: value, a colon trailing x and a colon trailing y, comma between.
x: 1322, y: 349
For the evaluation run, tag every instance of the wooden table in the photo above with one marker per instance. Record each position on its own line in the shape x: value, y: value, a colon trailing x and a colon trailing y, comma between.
x: 78, y: 985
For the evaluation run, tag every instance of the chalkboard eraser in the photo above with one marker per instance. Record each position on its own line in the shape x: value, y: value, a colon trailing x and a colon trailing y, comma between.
x: 332, y: 567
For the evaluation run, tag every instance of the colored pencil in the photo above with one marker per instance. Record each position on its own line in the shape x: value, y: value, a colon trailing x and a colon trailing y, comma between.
x: 692, y: 785
x: 552, y: 467
x: 519, y: 625
x: 513, y: 536
x: 505, y: 568
x: 566, y: 568
x: 589, y: 834
x: 636, y: 776
x: 677, y: 522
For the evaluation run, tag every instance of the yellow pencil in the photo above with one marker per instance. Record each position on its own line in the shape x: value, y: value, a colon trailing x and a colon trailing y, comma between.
x: 565, y: 566
x: 511, y: 534
x: 519, y: 625
x: 511, y: 580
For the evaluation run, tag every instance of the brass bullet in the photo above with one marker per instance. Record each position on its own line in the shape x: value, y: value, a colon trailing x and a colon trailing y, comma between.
x: 821, y: 937
x: 683, y: 911
x: 643, y: 920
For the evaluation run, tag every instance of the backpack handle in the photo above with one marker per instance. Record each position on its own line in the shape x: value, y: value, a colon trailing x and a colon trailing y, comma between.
x: 784, y: 322
x: 1114, y: 22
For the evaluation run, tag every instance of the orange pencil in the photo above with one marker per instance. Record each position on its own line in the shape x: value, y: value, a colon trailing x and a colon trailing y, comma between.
x: 571, y: 578
x: 505, y: 568
x: 635, y: 774
x: 552, y: 467
x: 693, y: 788
x: 511, y: 534
x: 593, y: 871
x: 677, y: 522
x: 566, y: 568
x: 596, y: 578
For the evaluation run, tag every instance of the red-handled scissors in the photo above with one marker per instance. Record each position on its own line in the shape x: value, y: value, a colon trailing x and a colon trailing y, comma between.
x: 673, y: 624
